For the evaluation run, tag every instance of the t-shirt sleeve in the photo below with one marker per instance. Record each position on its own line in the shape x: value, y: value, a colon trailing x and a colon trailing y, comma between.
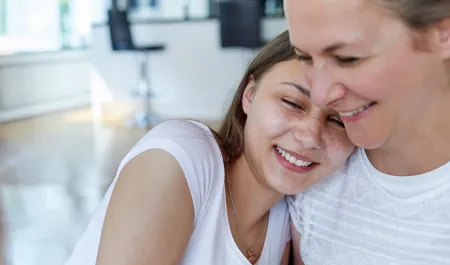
x: 192, y: 144
x: 287, y: 231
x: 194, y: 147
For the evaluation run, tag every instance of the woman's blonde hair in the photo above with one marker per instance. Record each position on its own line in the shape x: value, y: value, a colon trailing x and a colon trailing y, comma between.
x: 418, y: 14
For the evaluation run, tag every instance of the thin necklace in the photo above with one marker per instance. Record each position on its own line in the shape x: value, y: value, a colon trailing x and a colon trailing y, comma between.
x: 250, y: 249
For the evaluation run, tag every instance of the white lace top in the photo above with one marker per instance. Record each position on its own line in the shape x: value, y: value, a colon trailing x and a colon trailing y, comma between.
x: 360, y: 216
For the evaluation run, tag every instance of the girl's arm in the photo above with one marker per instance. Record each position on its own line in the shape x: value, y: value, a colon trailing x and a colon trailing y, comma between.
x: 150, y: 215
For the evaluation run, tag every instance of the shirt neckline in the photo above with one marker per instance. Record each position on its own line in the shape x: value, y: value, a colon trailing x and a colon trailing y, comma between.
x: 412, y: 188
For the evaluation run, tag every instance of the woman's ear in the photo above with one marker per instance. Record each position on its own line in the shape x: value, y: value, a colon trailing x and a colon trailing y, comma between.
x: 247, y: 97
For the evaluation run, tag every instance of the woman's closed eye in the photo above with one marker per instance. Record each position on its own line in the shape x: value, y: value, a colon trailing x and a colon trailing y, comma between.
x: 342, y: 60
x: 304, y: 58
x: 347, y: 60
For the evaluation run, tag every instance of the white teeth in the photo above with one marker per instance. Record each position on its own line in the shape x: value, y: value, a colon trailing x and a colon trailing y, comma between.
x: 292, y: 159
x: 354, y: 112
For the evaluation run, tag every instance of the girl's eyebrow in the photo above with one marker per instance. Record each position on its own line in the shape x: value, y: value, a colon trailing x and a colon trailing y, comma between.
x: 302, y: 90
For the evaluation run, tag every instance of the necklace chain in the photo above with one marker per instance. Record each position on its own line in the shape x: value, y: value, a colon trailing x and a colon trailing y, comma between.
x: 250, y: 250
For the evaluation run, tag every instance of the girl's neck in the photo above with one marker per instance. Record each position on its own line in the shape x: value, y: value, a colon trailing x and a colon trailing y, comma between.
x: 252, y: 199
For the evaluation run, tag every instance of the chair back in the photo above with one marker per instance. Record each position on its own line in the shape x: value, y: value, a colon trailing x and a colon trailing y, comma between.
x: 240, y: 23
x: 119, y: 29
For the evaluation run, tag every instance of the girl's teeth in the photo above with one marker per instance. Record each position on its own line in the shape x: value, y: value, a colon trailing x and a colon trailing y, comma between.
x: 354, y: 112
x: 292, y: 159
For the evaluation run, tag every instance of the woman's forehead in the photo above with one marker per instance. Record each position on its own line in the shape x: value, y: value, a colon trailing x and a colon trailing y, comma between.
x: 334, y: 24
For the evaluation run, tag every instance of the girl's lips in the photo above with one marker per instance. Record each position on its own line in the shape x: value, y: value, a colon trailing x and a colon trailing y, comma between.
x: 293, y: 161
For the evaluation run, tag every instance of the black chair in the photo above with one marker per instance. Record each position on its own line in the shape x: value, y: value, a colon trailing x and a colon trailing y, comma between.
x: 214, y: 7
x: 240, y: 24
x: 122, y: 41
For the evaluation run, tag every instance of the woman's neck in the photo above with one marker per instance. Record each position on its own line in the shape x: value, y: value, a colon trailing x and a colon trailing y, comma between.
x: 252, y: 199
x: 422, y: 147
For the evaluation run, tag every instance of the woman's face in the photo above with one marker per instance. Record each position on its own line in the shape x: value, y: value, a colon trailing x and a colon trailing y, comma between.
x: 362, y: 62
x: 290, y: 144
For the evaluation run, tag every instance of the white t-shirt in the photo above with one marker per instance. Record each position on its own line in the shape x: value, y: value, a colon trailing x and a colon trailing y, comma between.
x: 360, y: 216
x: 196, y: 150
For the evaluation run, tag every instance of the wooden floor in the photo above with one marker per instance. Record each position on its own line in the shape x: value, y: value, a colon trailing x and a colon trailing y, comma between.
x: 53, y: 173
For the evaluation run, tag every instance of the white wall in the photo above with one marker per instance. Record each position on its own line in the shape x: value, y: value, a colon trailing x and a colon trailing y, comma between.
x: 174, y: 8
x: 194, y: 77
x: 99, y: 9
x: 36, y: 84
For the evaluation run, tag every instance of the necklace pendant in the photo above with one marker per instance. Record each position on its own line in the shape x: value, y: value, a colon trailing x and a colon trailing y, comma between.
x: 251, y: 256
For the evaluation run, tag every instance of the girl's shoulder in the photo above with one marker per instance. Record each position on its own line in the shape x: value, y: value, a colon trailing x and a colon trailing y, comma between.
x: 194, y: 147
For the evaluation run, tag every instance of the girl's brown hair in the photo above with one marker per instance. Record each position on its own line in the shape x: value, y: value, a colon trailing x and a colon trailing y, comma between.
x: 230, y: 136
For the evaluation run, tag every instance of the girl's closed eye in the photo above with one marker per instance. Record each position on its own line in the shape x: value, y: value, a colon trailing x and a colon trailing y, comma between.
x: 292, y: 104
x: 335, y: 120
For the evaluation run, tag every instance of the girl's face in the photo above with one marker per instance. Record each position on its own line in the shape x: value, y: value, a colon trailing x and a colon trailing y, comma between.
x: 290, y: 144
x: 362, y: 62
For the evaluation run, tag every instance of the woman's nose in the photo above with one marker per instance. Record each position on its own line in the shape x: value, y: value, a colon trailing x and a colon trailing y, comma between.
x: 324, y: 89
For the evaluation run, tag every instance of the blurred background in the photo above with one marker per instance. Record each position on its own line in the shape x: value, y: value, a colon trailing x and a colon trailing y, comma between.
x: 82, y: 80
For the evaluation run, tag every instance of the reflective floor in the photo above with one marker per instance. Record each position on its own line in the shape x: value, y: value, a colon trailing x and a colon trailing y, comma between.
x: 53, y: 173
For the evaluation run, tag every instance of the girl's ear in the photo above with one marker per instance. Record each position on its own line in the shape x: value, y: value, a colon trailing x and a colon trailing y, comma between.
x: 247, y: 97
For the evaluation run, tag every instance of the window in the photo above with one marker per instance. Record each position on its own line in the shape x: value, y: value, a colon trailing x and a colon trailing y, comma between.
x: 2, y: 17
x: 43, y: 25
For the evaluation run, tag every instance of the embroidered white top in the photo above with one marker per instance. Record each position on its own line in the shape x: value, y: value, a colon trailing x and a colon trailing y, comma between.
x: 360, y: 216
